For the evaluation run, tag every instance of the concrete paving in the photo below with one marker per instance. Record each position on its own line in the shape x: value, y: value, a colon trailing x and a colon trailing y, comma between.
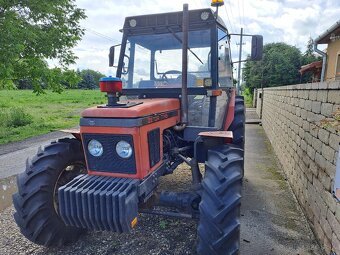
x: 252, y: 117
x: 13, y: 160
x: 271, y: 222
x: 13, y: 156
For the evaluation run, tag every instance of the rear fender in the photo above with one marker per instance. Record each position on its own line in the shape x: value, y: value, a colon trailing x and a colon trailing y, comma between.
x: 230, y: 111
x: 208, y: 140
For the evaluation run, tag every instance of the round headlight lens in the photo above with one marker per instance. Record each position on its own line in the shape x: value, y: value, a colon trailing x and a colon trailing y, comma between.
x: 124, y: 149
x: 95, y: 148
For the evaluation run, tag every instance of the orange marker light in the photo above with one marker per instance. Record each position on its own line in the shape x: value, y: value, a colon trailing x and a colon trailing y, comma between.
x: 214, y: 93
x: 217, y: 2
x: 134, y: 222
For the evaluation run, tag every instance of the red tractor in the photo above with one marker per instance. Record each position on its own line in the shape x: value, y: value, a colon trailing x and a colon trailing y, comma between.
x: 172, y: 102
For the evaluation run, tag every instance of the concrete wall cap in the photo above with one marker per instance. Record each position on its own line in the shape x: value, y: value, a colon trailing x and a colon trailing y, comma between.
x: 308, y: 86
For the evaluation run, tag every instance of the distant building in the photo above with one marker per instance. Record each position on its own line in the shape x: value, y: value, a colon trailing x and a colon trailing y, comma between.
x: 315, y: 68
x: 331, y: 59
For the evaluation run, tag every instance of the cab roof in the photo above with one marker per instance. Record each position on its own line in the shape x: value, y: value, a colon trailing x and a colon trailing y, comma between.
x: 153, y: 22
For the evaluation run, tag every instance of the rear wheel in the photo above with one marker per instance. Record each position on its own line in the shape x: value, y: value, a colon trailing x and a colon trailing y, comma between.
x: 36, y: 201
x: 238, y: 124
x: 219, y: 224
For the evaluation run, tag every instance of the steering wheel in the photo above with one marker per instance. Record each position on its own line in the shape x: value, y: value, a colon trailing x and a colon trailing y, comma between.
x: 164, y: 78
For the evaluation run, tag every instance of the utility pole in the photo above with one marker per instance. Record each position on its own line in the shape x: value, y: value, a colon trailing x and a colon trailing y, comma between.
x: 239, y: 64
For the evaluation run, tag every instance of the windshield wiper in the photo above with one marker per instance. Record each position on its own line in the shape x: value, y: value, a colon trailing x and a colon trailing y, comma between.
x: 180, y: 40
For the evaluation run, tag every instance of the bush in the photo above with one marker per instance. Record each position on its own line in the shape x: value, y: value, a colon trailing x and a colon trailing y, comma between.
x: 248, y: 96
x: 14, y: 117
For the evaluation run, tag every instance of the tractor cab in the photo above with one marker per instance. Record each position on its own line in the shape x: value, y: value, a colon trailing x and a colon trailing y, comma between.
x: 150, y: 62
x: 153, y: 51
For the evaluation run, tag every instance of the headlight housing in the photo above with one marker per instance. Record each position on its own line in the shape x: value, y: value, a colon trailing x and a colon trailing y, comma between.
x: 124, y: 149
x: 95, y: 148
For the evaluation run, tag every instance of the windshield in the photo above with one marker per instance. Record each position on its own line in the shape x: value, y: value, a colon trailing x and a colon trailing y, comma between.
x: 155, y: 61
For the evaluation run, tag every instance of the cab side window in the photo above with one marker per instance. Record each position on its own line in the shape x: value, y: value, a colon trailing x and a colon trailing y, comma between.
x: 224, y: 60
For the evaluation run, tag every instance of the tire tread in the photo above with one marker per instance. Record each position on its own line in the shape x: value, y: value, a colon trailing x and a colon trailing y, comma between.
x: 219, y: 227
x: 35, y: 213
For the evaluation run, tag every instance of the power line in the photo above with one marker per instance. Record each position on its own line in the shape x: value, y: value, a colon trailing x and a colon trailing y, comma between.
x: 239, y: 12
x: 99, y: 34
x: 231, y: 26
x: 231, y: 12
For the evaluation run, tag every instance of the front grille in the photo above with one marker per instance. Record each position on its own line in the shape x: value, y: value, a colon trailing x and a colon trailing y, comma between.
x: 109, y: 161
x: 154, y: 146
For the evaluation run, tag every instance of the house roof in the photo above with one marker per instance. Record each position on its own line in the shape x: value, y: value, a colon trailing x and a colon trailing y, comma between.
x: 324, y: 37
x: 311, y: 67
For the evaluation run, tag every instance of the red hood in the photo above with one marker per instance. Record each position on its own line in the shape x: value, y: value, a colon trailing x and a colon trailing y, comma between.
x: 148, y: 107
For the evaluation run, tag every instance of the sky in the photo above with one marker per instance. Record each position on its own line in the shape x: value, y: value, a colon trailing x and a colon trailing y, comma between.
x: 289, y: 21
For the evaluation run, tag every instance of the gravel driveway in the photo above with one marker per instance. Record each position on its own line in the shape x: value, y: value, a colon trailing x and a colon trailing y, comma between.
x: 152, y: 235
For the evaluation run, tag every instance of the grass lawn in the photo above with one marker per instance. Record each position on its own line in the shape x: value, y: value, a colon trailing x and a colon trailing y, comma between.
x: 23, y: 114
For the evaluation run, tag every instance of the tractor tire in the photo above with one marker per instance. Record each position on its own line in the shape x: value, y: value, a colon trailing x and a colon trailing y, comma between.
x: 238, y: 124
x: 36, y: 202
x: 219, y: 224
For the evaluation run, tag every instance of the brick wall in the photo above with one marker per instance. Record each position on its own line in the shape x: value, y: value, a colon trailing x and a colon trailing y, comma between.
x: 293, y: 119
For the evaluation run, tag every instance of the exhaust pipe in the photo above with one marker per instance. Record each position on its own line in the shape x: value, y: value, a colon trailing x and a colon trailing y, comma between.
x: 184, y: 92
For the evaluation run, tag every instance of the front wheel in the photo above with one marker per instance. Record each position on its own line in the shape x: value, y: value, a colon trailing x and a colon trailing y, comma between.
x: 36, y: 201
x: 219, y: 224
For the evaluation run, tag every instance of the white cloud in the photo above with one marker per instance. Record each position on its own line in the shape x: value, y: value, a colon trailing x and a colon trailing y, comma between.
x: 290, y: 21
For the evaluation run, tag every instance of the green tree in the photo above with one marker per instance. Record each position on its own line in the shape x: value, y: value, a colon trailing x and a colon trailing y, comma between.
x: 33, y: 32
x: 87, y: 81
x: 310, y: 47
x: 95, y: 75
x: 280, y: 66
x: 308, y: 57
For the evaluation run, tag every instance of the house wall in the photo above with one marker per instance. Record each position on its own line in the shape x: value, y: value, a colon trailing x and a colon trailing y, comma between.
x: 307, y: 147
x: 333, y: 51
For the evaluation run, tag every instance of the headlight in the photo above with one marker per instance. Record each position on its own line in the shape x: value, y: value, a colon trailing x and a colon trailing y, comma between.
x: 95, y: 148
x: 124, y: 149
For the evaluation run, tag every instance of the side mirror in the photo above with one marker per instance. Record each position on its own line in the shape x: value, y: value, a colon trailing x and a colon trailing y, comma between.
x: 111, y: 55
x: 256, y: 47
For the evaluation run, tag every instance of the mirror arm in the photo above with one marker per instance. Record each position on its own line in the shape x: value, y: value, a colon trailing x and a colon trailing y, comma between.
x: 242, y: 34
